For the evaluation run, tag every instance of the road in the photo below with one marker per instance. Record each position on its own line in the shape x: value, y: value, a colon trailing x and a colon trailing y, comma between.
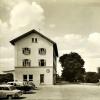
x: 64, y: 92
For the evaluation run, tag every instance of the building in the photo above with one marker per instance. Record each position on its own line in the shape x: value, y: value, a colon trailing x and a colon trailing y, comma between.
x: 35, y: 58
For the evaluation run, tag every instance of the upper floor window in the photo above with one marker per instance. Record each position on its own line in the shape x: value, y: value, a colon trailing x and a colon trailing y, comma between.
x: 26, y: 62
x: 42, y: 51
x: 26, y: 51
x: 42, y: 62
x: 34, y: 40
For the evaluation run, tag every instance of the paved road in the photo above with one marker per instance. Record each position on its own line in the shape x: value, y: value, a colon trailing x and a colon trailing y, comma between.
x: 65, y: 92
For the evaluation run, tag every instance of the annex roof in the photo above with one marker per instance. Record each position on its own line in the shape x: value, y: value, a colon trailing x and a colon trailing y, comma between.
x: 32, y: 32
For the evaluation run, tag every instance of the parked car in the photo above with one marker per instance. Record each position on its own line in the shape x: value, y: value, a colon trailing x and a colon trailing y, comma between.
x: 16, y: 83
x: 9, y: 91
x: 23, y: 86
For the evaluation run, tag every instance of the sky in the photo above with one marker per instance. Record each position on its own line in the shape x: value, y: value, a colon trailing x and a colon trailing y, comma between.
x: 73, y: 24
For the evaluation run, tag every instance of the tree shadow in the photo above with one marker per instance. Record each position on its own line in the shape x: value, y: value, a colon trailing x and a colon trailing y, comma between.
x: 30, y: 92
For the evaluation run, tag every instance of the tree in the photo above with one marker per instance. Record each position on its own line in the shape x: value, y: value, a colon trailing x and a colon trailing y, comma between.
x: 92, y: 77
x: 72, y: 65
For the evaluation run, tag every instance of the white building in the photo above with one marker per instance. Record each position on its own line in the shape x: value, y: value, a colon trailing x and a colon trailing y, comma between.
x: 35, y: 58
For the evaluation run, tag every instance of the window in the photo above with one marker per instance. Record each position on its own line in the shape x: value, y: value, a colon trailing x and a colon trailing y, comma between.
x: 34, y: 40
x: 42, y: 51
x: 42, y: 62
x: 26, y: 51
x: 26, y: 62
x: 24, y: 77
x: 30, y: 77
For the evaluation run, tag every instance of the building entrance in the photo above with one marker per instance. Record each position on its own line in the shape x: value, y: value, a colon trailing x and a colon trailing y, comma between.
x: 41, y: 78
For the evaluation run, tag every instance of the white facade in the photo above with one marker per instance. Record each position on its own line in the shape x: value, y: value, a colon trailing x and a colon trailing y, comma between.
x: 48, y: 77
x: 40, y: 74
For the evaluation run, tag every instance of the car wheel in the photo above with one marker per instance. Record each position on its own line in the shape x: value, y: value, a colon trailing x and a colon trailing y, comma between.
x: 9, y: 97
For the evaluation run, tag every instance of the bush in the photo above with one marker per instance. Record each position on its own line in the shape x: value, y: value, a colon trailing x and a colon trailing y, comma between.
x: 91, y: 77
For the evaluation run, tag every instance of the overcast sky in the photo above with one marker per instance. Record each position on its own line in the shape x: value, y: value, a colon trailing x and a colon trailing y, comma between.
x: 73, y: 24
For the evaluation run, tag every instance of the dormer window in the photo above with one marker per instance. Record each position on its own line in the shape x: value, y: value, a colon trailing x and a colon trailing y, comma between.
x: 34, y: 40
x: 26, y: 51
x: 42, y: 51
x: 26, y: 62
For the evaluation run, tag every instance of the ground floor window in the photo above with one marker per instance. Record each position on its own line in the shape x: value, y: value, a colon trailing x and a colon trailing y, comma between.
x: 24, y: 77
x: 30, y: 77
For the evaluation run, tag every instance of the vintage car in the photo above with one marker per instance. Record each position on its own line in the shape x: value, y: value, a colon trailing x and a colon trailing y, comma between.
x: 23, y: 86
x: 9, y: 91
x: 14, y: 83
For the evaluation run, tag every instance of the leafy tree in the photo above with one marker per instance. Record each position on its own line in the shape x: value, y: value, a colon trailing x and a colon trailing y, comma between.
x: 72, y: 65
x: 92, y: 77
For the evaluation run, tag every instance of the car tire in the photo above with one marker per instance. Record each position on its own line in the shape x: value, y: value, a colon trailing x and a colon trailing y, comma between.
x: 9, y: 97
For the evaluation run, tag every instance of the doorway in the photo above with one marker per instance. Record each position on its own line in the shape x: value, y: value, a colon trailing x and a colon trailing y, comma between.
x: 41, y: 78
